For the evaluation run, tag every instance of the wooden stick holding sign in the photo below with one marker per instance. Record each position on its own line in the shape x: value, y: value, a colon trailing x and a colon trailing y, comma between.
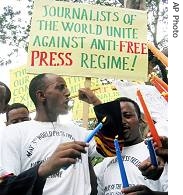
x: 86, y: 105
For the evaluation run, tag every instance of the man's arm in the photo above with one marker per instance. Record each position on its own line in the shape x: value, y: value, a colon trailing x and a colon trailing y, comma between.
x: 26, y: 183
x: 88, y: 96
x: 32, y: 181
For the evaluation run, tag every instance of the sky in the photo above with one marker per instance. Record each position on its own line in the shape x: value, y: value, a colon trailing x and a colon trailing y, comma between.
x: 21, y: 58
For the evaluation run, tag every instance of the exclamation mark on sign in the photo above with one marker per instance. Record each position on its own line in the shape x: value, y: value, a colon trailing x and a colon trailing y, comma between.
x: 134, y: 61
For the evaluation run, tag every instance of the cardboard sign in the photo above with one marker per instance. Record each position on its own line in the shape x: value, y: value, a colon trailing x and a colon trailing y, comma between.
x: 78, y: 39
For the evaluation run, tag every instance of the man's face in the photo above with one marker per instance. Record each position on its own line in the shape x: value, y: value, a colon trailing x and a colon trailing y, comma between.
x: 2, y: 98
x: 130, y: 122
x: 56, y: 95
x: 17, y: 115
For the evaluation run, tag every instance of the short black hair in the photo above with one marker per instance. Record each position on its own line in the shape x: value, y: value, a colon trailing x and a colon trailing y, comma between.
x: 15, y: 106
x: 137, y: 108
x: 37, y: 83
x: 7, y: 94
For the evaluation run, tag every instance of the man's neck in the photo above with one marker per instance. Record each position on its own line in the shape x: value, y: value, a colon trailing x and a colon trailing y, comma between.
x: 44, y: 117
x: 133, y: 142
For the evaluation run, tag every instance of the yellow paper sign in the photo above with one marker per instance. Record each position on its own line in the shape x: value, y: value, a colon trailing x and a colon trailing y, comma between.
x: 105, y: 93
x: 77, y: 39
x: 19, y: 85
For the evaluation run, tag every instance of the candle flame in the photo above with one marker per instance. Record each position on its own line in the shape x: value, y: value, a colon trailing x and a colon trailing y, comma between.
x: 104, y: 119
x: 116, y: 137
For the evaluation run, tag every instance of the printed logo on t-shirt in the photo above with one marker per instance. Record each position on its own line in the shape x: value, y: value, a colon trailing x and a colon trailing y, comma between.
x: 43, y: 135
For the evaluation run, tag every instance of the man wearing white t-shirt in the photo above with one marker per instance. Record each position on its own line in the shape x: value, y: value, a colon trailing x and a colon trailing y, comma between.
x: 134, y: 152
x: 32, y: 180
x: 29, y: 143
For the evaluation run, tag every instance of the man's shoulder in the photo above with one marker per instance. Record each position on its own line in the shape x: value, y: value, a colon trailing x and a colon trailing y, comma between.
x: 102, y: 166
x: 75, y: 125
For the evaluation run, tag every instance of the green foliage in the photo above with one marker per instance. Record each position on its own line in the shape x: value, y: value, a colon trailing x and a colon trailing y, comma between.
x: 96, y: 160
x: 14, y: 32
x: 8, y: 30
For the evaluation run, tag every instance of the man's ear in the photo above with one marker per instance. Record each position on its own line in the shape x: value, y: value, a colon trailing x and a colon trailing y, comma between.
x: 142, y: 120
x: 41, y: 96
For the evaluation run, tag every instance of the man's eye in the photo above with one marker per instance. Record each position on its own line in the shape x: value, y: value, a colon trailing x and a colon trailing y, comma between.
x: 127, y: 115
x: 61, y: 87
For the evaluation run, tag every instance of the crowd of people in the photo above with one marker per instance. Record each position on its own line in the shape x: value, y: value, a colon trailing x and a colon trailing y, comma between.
x: 44, y: 156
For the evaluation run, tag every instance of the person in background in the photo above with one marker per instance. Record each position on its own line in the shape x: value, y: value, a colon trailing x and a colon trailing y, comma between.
x: 5, y: 96
x: 17, y: 113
